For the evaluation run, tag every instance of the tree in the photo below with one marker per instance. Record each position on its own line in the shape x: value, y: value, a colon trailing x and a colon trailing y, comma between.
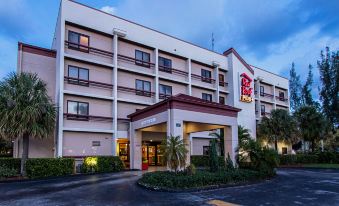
x: 220, y: 137
x: 175, y: 152
x: 214, y: 164
x: 26, y: 110
x: 295, y: 89
x: 306, y: 92
x: 280, y: 126
x: 329, y: 92
x: 311, y: 123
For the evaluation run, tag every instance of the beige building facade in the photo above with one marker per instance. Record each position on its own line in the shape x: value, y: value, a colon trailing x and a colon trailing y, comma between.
x: 103, y: 72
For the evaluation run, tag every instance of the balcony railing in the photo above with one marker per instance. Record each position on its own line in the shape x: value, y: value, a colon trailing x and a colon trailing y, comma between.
x: 132, y: 60
x: 164, y: 96
x: 223, y: 84
x: 203, y: 79
x: 83, y: 82
x: 79, y: 117
x: 172, y: 70
x: 88, y: 49
x: 266, y: 95
x: 281, y: 99
x: 136, y: 91
x: 265, y: 114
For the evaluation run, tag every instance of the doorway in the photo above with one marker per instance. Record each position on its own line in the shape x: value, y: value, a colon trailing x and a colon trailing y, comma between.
x: 152, y: 153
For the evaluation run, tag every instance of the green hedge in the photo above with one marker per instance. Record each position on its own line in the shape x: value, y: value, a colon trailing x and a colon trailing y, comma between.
x: 49, y: 167
x: 102, y: 164
x: 321, y: 157
x: 203, y: 160
x: 169, y: 180
x: 11, y: 163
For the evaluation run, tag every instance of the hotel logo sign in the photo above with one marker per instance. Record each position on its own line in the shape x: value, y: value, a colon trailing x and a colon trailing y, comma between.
x: 246, y: 90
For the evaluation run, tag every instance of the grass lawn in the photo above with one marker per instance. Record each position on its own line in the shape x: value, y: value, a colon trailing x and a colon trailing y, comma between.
x: 323, y: 166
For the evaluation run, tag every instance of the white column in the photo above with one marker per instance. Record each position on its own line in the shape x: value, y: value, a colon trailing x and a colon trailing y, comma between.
x: 189, y: 77
x: 231, y: 141
x: 274, y: 99
x: 217, y: 86
x: 135, y: 145
x: 156, y: 52
x: 115, y: 93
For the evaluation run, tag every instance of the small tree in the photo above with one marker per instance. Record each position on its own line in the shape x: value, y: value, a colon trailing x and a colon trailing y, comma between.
x: 26, y: 110
x: 175, y: 152
x: 306, y: 92
x: 295, y: 89
x: 229, y: 162
x: 220, y: 137
x: 280, y: 126
x: 214, y: 163
x: 311, y: 123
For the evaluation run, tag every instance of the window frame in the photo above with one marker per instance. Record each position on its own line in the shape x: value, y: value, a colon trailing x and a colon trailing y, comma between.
x: 205, y: 148
x: 166, y: 86
x: 224, y: 100
x: 221, y: 83
x: 143, y: 92
x: 281, y: 97
x: 204, y: 78
x: 262, y: 91
x: 82, y: 82
x: 142, y: 62
x: 262, y: 109
x: 165, y: 68
x: 78, y: 46
x: 78, y: 116
x: 207, y: 95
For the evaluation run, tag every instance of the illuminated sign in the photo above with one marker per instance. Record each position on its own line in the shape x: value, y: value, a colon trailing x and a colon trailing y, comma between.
x: 246, y: 90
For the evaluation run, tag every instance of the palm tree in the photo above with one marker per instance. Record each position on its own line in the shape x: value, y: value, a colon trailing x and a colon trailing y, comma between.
x: 26, y: 110
x: 175, y: 152
x: 243, y: 135
x: 280, y: 126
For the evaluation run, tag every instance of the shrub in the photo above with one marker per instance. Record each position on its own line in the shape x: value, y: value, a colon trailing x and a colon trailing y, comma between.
x: 102, y: 164
x: 298, y: 159
x: 213, y: 158
x: 191, y: 170
x: 203, y: 161
x: 49, y: 167
x: 181, y: 180
x: 328, y: 157
x: 11, y: 163
x: 229, y: 163
x: 7, y: 172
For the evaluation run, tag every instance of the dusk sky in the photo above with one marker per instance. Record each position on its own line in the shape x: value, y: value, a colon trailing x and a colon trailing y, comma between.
x: 268, y: 34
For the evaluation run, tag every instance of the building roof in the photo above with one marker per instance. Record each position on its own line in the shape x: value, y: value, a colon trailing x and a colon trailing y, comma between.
x: 231, y: 50
x: 185, y: 102
x: 36, y: 50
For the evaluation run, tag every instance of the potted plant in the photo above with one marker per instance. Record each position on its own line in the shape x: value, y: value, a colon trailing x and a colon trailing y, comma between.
x: 144, y: 164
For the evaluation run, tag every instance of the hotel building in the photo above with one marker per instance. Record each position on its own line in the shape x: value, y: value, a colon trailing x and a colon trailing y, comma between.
x: 121, y: 88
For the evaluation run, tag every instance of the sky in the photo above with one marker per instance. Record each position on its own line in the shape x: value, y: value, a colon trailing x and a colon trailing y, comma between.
x: 268, y: 34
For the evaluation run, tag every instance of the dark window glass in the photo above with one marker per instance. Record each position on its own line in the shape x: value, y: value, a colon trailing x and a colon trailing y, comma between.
x: 143, y: 88
x: 221, y: 80
x: 262, y: 91
x: 262, y: 109
x: 284, y: 150
x: 206, y: 75
x: 165, y: 91
x: 205, y: 150
x: 79, y: 110
x: 142, y: 58
x: 78, y: 41
x: 207, y: 97
x: 281, y: 96
x: 80, y: 75
x: 95, y: 143
x: 222, y: 100
x: 165, y: 64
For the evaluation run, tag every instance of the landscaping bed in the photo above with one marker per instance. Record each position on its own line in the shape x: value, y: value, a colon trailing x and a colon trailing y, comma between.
x: 202, y: 179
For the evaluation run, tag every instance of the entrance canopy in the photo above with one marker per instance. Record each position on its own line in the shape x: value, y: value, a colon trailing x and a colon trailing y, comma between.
x: 181, y: 115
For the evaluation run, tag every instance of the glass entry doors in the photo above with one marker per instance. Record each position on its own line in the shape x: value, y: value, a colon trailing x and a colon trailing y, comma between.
x: 152, y: 153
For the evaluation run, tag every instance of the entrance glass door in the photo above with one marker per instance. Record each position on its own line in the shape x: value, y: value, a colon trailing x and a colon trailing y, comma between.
x: 151, y: 155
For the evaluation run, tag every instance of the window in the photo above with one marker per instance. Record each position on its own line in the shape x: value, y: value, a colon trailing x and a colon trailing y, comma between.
x: 284, y: 150
x: 142, y: 58
x: 143, y: 88
x: 77, y: 110
x: 165, y: 65
x: 206, y: 75
x: 222, y: 100
x: 262, y: 91
x: 206, y: 150
x: 95, y: 143
x: 79, y: 75
x: 262, y: 109
x: 207, y: 97
x: 78, y: 41
x: 221, y: 80
x: 281, y: 96
x: 165, y: 91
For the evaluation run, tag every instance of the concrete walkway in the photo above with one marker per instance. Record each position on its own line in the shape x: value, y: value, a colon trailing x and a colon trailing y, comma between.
x: 291, y: 187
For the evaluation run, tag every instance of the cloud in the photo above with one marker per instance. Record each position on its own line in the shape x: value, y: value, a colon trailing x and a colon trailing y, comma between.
x: 108, y: 9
